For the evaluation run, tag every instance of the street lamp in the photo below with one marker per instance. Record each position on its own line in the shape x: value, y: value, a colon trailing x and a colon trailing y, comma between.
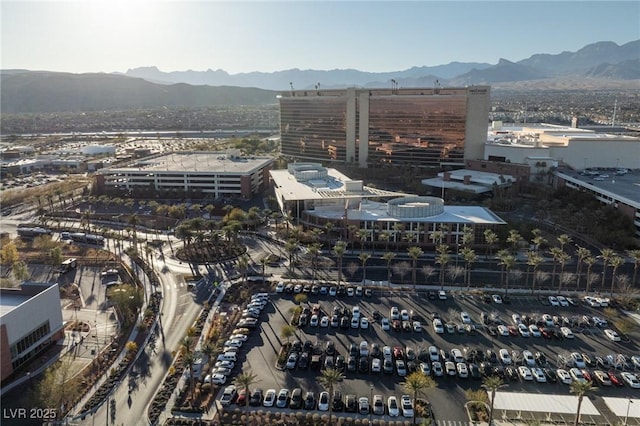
x: 626, y: 418
x: 371, y: 405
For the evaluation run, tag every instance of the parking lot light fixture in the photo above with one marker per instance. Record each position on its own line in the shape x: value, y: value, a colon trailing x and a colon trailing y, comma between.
x: 626, y: 417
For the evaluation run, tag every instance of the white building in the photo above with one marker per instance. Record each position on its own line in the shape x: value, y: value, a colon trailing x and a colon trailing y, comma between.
x: 30, y: 320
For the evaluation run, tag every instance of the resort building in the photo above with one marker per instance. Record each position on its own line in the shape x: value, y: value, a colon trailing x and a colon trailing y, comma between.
x: 319, y: 197
x: 423, y: 127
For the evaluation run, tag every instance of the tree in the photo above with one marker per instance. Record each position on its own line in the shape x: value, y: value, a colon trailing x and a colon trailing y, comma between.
x: 300, y: 298
x: 364, y: 257
x: 414, y: 253
x: 128, y: 300
x: 314, y: 251
x: 581, y: 253
x: 9, y: 254
x: 20, y: 270
x: 243, y: 268
x: 513, y: 239
x: 244, y: 380
x: 57, y: 388
x: 506, y: 262
x: 442, y: 258
x: 339, y: 250
x: 388, y: 257
x: 415, y: 384
x: 590, y: 278
x: 291, y: 247
x: 615, y: 262
x: 533, y: 261
x: 635, y: 255
x: 469, y: 256
x: 189, y: 359
x: 605, y: 254
x: 563, y: 240
x: 491, y: 239
x: 385, y: 236
x: 427, y: 271
x: 328, y: 378
x: 491, y: 384
x: 287, y: 332
x: 580, y: 389
x: 361, y: 235
x: 56, y: 256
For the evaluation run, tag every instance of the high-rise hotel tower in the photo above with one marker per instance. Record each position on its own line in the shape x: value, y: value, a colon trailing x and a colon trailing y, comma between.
x: 425, y: 127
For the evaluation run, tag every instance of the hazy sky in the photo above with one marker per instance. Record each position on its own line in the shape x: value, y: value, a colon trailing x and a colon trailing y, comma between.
x: 115, y: 35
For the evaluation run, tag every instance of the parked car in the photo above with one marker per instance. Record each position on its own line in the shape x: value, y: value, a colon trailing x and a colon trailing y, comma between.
x: 269, y: 398
x: 392, y: 406
x: 378, y: 405
x: 612, y: 335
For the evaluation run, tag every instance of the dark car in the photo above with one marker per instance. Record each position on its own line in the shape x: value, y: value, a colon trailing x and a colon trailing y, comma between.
x: 330, y: 348
x: 303, y: 361
x: 377, y: 315
x: 550, y: 375
x: 474, y: 371
x: 363, y: 365
x: 337, y: 403
x: 309, y: 401
x: 344, y: 322
x: 351, y: 404
x: 512, y: 374
x: 308, y: 346
x: 340, y: 363
x: 256, y: 397
x: 352, y: 364
x: 375, y: 351
x: 303, y: 320
x: 491, y: 356
x: 297, y: 346
x: 541, y: 359
x: 296, y: 399
x: 431, y: 295
x: 353, y: 350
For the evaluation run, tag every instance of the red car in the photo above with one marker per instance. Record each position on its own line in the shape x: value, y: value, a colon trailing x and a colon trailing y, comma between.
x: 398, y: 353
x: 242, y: 397
x: 546, y: 333
x: 513, y: 331
x: 615, y: 379
x: 586, y: 374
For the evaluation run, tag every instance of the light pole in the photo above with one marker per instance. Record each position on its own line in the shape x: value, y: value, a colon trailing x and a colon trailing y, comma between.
x: 626, y: 418
x: 371, y: 405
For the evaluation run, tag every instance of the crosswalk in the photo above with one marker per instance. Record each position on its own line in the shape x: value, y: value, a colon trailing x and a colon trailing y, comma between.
x: 454, y: 423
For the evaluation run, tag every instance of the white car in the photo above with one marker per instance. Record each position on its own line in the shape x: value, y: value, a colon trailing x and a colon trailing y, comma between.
x: 323, y: 401
x: 436, y: 367
x: 324, y: 321
x: 599, y: 322
x: 456, y: 354
x: 355, y: 322
x: 496, y: 299
x: 503, y: 330
x: 612, y: 335
x: 433, y: 354
x: 417, y: 326
x: 523, y: 330
x: 548, y: 320
x: 387, y: 352
x: 313, y: 322
x: 364, y: 348
x: 376, y: 365
x: 442, y: 295
x: 385, y: 324
x: 516, y: 319
x: 269, y: 398
x: 355, y: 312
x: 564, y: 376
x: 333, y: 291
x: 562, y: 301
x: 463, y: 371
x: 401, y: 368
x: 525, y: 373
x: 578, y: 361
x: 394, y: 313
x: 534, y: 330
x: 566, y: 332
x: 364, y: 323
x: 404, y: 315
x: 280, y: 287
x: 437, y: 326
x: 576, y: 375
x: 630, y: 379
x: 392, y: 406
x: 603, y: 301
x: 283, y: 398
x: 425, y: 368
x: 553, y: 301
x: 216, y: 379
x: 591, y: 301
x: 538, y: 375
x: 450, y: 368
x: 505, y: 358
x: 466, y: 318
x: 407, y: 406
x: 528, y: 358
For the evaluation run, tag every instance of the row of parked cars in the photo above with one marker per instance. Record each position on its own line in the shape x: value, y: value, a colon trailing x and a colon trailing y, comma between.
x: 226, y: 360
x: 323, y: 290
x: 297, y: 399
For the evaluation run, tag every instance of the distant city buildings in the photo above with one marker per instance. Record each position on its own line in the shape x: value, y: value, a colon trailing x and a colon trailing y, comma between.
x: 425, y: 127
x: 30, y: 320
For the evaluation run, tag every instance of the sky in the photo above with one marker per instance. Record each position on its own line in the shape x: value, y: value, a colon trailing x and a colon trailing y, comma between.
x: 267, y: 36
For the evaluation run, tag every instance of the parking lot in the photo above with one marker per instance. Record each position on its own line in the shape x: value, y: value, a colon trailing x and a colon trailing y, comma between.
x: 448, y: 397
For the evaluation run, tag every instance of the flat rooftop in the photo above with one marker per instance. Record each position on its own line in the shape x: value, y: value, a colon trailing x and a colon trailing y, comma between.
x: 479, y: 182
x: 11, y: 298
x: 205, y: 162
x: 621, y: 187
x: 334, y: 186
x: 372, y: 210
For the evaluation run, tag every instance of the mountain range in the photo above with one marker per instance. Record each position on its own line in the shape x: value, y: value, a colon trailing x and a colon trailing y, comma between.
x: 598, y: 65
x: 598, y: 60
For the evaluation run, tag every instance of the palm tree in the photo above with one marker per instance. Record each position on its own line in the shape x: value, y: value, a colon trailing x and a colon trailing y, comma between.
x: 442, y: 258
x: 189, y: 359
x: 388, y: 257
x: 605, y: 254
x: 385, y: 236
x: 364, y: 257
x: 328, y: 379
x: 414, y: 253
x: 398, y: 228
x: 361, y: 235
x: 615, y: 262
x: 563, y: 258
x: 291, y: 247
x: 507, y: 261
x: 491, y: 238
x: 580, y: 388
x: 563, y: 239
x: 635, y: 255
x: 243, y: 268
x: 534, y: 261
x: 469, y: 256
x: 339, y: 249
x: 314, y: 250
x: 555, y: 253
x: 287, y: 332
x: 581, y: 253
x: 415, y: 384
x: 491, y: 384
x: 513, y: 239
x: 589, y: 261
x: 244, y: 380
